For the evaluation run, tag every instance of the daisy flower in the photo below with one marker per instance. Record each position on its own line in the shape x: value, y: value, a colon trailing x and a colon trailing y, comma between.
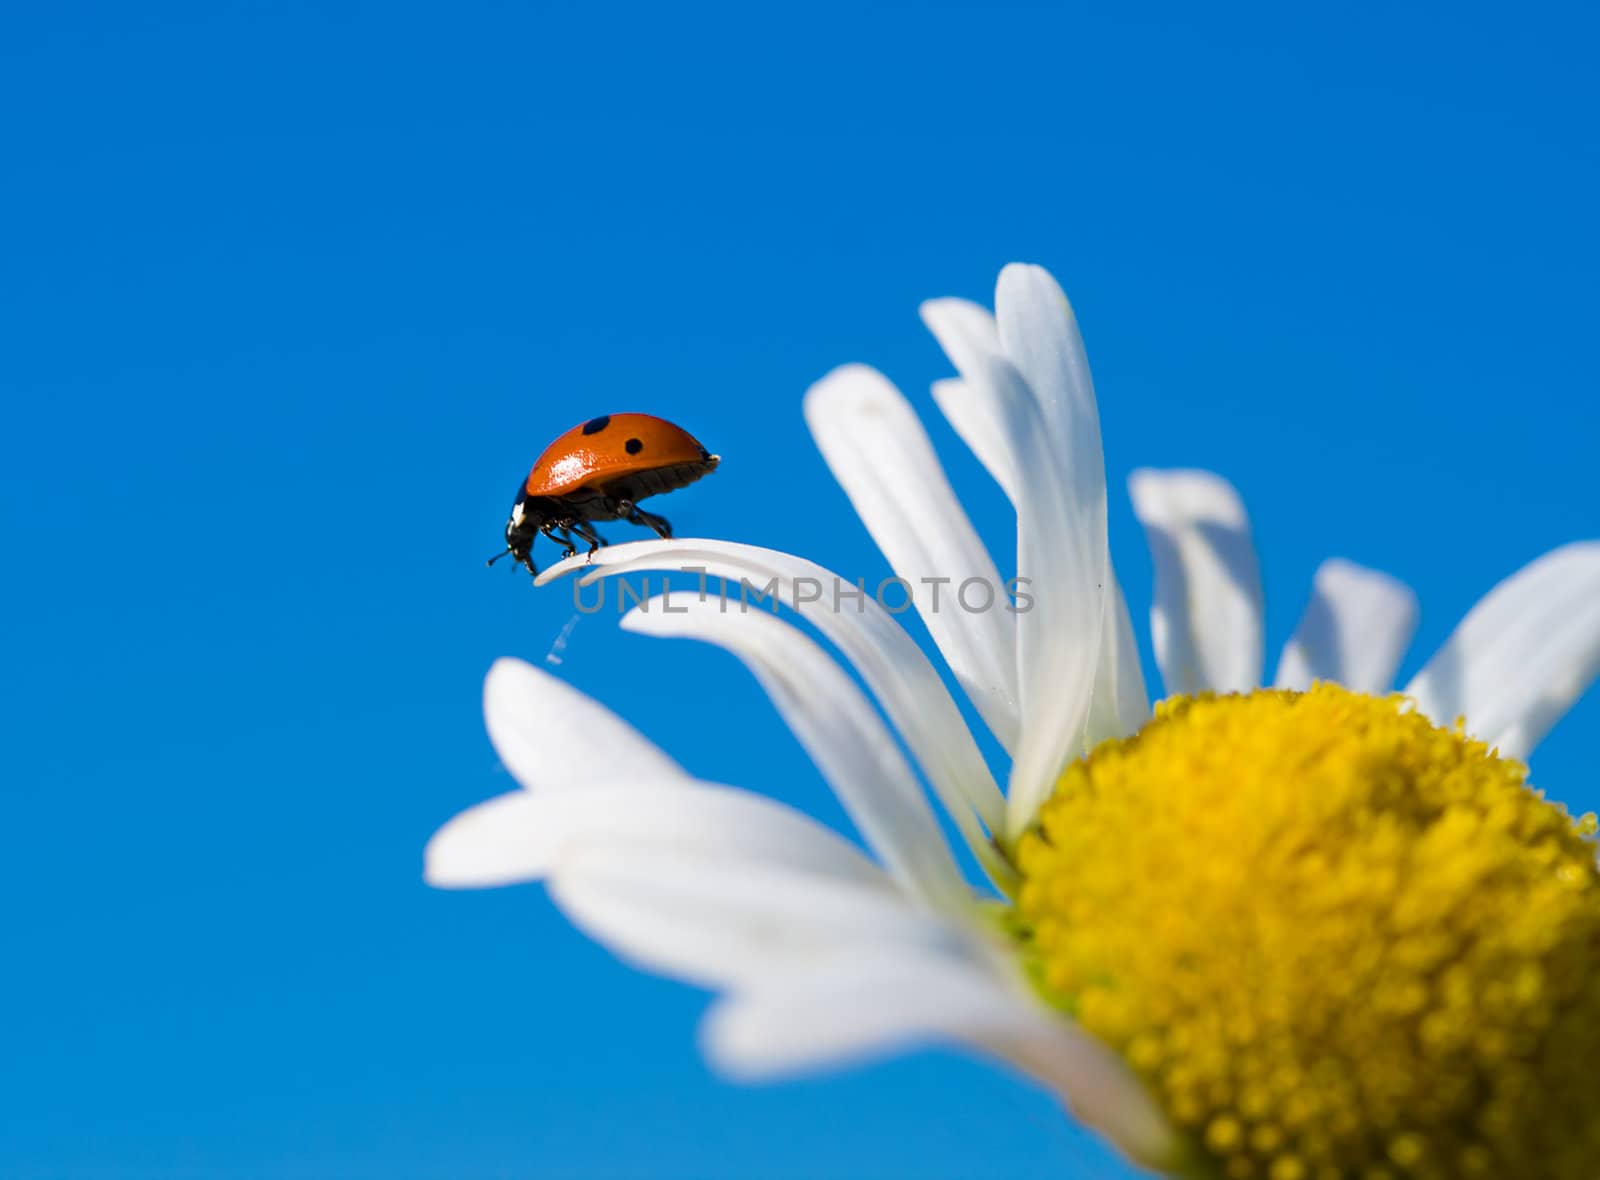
x: 1308, y: 930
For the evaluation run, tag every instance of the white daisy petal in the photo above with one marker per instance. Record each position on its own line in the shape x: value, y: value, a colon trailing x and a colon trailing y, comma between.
x: 550, y: 736
x: 838, y: 727
x: 1062, y: 563
x: 1354, y: 631
x: 880, y: 455
x: 966, y: 331
x: 868, y: 1008
x: 1522, y: 655
x: 1120, y: 703
x: 730, y: 920
x: 894, y: 668
x: 971, y: 340
x: 497, y: 842
x: 1039, y: 332
x: 975, y: 421
x: 1206, y: 619
x: 521, y: 836
x: 1059, y: 644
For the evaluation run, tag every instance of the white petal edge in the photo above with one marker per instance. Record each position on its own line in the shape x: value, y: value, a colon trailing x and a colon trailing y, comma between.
x: 1039, y: 332
x: 1354, y: 631
x: 971, y: 339
x: 1120, y: 704
x: 861, y: 1011
x: 1205, y: 621
x: 974, y: 420
x: 880, y: 455
x: 1523, y: 655
x: 522, y: 835
x: 1059, y: 562
x: 839, y: 729
x: 550, y: 736
x: 729, y: 921
x: 898, y: 673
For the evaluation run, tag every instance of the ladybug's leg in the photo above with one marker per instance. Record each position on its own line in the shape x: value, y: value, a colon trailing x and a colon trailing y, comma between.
x: 636, y: 515
x: 584, y: 530
x: 564, y: 540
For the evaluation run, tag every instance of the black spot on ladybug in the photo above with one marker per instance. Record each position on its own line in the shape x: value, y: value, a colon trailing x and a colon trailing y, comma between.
x: 596, y: 425
x: 634, y: 446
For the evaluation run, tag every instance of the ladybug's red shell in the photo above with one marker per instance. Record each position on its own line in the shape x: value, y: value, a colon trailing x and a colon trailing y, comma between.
x: 616, y: 449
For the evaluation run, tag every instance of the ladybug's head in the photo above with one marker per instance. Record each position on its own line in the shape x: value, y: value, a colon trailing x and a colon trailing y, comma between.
x: 527, y: 518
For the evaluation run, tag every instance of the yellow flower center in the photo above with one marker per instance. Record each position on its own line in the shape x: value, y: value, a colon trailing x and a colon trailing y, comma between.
x: 1335, y: 940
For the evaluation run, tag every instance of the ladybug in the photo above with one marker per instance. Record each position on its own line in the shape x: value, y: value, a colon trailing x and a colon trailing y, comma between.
x: 600, y: 470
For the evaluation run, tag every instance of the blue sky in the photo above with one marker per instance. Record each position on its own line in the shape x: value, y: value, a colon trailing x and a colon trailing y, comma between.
x: 293, y: 295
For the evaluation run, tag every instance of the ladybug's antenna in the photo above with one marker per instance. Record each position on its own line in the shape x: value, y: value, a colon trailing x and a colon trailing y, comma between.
x: 498, y: 556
